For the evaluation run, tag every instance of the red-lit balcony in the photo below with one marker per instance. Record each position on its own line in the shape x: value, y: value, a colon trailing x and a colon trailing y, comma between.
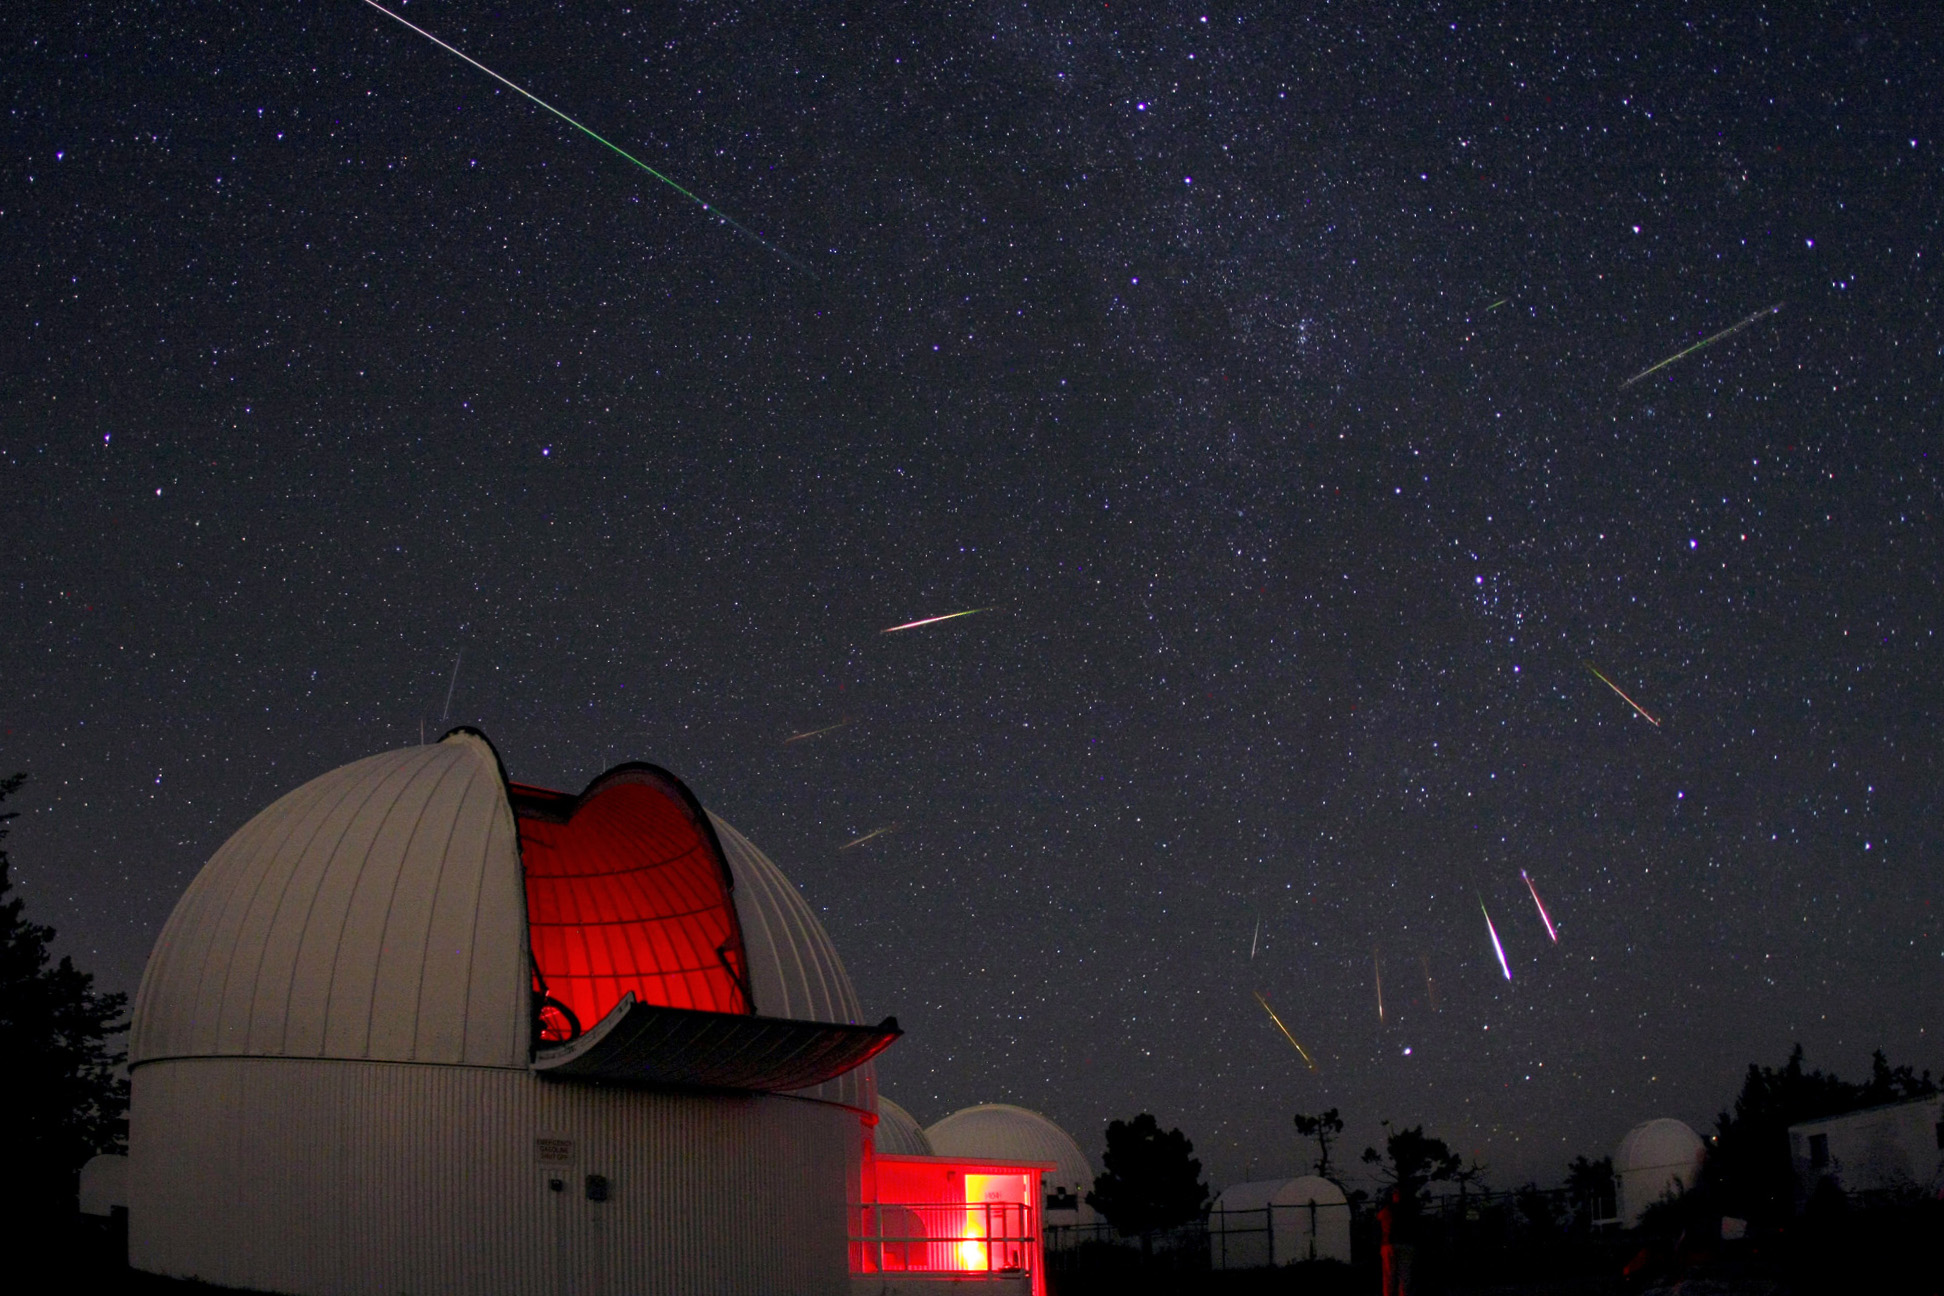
x: 932, y: 1220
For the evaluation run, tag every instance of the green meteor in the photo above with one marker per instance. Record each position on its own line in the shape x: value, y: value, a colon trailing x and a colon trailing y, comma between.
x: 714, y: 211
x: 1730, y: 331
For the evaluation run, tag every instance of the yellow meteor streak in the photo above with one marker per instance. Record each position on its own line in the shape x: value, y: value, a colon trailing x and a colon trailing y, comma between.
x: 1623, y: 697
x: 1706, y: 341
x: 1308, y: 1061
x: 815, y: 733
x: 1495, y: 305
x: 875, y: 832
x: 949, y: 616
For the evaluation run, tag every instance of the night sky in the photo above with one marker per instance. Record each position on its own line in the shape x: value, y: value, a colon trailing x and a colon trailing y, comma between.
x: 1262, y: 373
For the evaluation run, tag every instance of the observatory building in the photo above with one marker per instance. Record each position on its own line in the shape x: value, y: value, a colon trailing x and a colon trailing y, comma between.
x: 419, y: 1028
x: 1657, y: 1158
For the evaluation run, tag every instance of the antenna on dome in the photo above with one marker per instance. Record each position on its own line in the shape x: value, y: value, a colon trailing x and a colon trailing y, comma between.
x: 447, y: 713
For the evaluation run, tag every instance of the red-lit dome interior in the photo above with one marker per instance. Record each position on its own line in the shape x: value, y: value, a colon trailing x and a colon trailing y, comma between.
x: 627, y: 891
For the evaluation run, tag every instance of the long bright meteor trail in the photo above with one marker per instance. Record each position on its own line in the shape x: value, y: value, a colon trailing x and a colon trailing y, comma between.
x: 706, y: 206
x: 1544, y: 917
x: 815, y: 733
x: 949, y: 616
x: 1496, y: 947
x: 1307, y: 1060
x: 1730, y: 331
x: 1378, y: 968
x: 1623, y: 697
x: 1255, y: 939
x: 875, y: 832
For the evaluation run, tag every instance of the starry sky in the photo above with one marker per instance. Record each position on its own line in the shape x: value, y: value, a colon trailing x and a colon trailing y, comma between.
x: 1259, y: 368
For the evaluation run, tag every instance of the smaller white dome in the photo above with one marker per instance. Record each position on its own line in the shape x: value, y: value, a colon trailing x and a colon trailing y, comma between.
x: 898, y: 1132
x: 1656, y: 1158
x: 1007, y: 1133
x: 1238, y: 1238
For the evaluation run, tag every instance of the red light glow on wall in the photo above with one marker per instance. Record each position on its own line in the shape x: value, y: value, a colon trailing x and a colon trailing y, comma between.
x: 626, y: 892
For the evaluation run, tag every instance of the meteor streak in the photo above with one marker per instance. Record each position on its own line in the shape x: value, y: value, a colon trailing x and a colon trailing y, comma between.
x: 1307, y: 1060
x: 1623, y: 697
x: 704, y: 204
x: 1255, y: 939
x: 1496, y: 947
x: 1730, y: 331
x: 1378, y: 968
x: 816, y: 733
x: 949, y: 616
x: 1495, y: 305
x: 875, y: 832
x: 1544, y: 917
x: 1430, y: 986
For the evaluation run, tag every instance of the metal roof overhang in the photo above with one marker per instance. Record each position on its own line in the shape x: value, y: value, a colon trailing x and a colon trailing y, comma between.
x: 647, y: 1044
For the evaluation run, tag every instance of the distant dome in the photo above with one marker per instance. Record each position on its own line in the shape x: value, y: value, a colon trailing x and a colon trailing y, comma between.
x: 1656, y: 1158
x: 1007, y: 1133
x: 898, y: 1132
x: 381, y: 912
x: 1238, y: 1238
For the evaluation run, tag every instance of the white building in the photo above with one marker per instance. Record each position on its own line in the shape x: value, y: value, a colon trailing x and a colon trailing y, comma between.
x: 1657, y: 1158
x: 1279, y: 1222
x: 1894, y: 1148
x: 415, y: 1028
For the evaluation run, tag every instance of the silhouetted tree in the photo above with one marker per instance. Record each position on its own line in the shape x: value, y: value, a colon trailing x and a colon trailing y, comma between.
x: 1469, y: 1175
x: 1748, y: 1170
x: 1321, y: 1128
x: 1590, y: 1184
x: 1540, y: 1212
x: 1412, y: 1161
x: 67, y: 1102
x: 1152, y: 1182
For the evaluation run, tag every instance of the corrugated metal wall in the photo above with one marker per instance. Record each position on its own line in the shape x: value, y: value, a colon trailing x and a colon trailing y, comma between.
x: 376, y: 1179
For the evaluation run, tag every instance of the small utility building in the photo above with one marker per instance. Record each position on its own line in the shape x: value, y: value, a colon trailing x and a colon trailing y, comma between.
x: 1895, y: 1148
x: 418, y: 1028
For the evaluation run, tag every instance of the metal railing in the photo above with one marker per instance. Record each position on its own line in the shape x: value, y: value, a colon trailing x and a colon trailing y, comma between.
x: 955, y: 1239
x: 1289, y: 1234
x: 1249, y: 1238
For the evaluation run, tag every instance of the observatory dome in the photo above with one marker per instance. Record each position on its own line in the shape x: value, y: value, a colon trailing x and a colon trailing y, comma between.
x: 1657, y: 1157
x: 898, y: 1132
x: 416, y: 1027
x: 1007, y: 1133
x: 1279, y: 1221
x: 385, y: 912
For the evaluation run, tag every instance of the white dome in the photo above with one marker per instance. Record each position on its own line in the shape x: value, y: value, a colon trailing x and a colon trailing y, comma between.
x: 898, y: 1132
x: 794, y: 970
x: 378, y: 912
x: 1655, y: 1158
x: 1238, y: 1239
x: 1007, y: 1133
